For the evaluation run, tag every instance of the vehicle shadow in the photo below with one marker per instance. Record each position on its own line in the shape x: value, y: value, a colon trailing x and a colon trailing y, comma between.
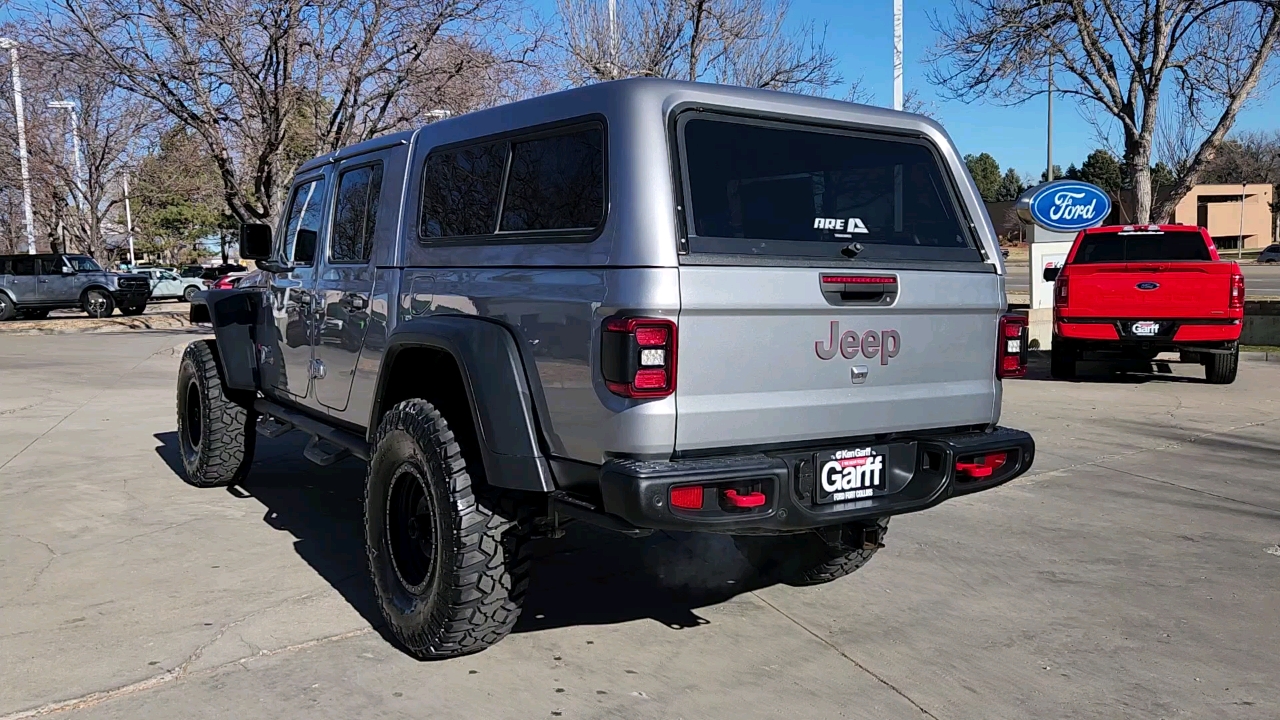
x: 1127, y: 372
x: 588, y: 577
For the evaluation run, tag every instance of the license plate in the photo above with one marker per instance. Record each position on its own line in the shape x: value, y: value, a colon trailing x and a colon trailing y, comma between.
x: 853, y: 474
x: 1146, y: 328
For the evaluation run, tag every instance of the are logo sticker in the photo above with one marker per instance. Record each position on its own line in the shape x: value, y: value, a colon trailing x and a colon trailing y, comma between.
x: 843, y: 227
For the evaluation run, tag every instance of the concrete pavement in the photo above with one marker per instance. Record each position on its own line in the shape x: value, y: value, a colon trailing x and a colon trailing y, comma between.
x: 1132, y: 574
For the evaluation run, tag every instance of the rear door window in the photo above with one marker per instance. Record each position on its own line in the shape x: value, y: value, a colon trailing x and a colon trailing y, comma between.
x: 779, y: 189
x: 356, y: 214
x: 24, y: 266
x: 1141, y: 246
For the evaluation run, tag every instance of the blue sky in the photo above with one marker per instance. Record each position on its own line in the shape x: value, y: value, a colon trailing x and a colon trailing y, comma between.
x: 860, y: 33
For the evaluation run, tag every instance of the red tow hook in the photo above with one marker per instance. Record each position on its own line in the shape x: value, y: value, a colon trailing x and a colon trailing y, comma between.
x: 983, y: 466
x: 750, y: 500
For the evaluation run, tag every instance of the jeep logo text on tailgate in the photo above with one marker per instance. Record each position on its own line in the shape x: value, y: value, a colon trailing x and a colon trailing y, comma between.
x: 885, y: 343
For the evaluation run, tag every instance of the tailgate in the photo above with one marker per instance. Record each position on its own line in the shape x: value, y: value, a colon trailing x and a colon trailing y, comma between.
x: 787, y: 362
x: 1149, y: 290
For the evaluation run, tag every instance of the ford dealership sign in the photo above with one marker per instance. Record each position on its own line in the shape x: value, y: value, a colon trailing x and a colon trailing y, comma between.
x: 1065, y: 206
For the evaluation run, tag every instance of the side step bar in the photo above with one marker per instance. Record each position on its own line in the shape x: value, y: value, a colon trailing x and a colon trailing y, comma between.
x: 562, y: 503
x: 348, y: 442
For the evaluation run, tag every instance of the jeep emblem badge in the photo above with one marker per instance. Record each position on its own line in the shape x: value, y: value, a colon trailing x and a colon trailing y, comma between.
x: 884, y: 344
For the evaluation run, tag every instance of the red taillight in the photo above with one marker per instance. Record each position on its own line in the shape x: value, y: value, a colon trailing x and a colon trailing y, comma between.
x: 638, y: 357
x: 1060, y: 291
x: 1011, y: 350
x: 1237, y: 292
x: 650, y: 380
x: 688, y: 497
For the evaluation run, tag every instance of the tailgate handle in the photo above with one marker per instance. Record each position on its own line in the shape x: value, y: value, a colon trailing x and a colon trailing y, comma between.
x: 859, y: 289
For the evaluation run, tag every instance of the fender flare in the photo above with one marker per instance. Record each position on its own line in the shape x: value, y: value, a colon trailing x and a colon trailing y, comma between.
x: 235, y: 315
x: 498, y: 390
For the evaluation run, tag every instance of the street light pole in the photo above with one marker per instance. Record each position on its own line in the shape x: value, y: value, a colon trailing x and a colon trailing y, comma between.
x: 1048, y: 173
x: 70, y: 107
x: 897, y: 54
x: 128, y: 220
x: 12, y: 47
x: 613, y: 38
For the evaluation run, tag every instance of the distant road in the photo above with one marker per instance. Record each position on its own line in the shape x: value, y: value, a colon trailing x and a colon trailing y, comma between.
x: 1259, y: 280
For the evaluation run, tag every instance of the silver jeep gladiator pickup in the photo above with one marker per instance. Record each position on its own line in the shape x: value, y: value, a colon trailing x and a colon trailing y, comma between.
x: 643, y: 304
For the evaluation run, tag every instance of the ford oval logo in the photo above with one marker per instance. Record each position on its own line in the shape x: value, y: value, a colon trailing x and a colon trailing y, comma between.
x: 1066, y: 205
x: 1148, y: 285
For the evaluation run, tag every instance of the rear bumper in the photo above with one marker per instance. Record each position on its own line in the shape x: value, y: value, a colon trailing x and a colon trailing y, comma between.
x: 1177, y: 333
x: 639, y: 492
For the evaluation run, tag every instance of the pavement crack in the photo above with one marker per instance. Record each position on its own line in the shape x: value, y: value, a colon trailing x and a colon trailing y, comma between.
x: 156, y: 530
x: 842, y: 654
x: 199, y: 651
x: 78, y: 408
x: 1099, y: 461
x: 183, y: 671
x: 53, y: 555
x: 1191, y: 489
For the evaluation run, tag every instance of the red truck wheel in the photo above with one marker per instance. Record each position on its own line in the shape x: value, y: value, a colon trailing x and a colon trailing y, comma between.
x: 1062, y: 360
x: 1220, y: 368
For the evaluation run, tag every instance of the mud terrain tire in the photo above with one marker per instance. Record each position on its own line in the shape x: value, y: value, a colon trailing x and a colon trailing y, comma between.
x: 216, y: 435
x: 447, y: 555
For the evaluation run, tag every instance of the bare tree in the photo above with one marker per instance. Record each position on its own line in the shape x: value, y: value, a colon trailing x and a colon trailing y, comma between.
x: 267, y: 83
x: 76, y: 210
x: 113, y: 128
x: 737, y: 42
x: 1127, y: 59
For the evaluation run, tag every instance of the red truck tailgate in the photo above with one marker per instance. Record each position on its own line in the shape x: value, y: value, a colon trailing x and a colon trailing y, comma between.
x: 1150, y: 290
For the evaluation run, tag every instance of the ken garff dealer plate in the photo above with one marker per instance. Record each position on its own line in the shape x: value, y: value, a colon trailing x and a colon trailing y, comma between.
x: 1065, y: 206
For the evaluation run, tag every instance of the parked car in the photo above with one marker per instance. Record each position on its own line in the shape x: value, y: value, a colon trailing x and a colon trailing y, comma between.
x: 166, y: 285
x: 1270, y: 255
x: 1135, y: 291
x: 229, y: 281
x: 214, y: 273
x: 33, y: 285
x: 498, y: 335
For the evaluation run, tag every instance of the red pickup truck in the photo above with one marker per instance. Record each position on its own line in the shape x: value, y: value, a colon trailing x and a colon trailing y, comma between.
x: 1135, y: 291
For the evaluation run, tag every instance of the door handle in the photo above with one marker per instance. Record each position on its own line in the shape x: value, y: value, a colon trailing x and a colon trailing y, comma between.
x: 353, y: 301
x: 43, y: 280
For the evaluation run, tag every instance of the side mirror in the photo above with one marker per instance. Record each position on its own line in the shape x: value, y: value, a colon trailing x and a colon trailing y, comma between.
x: 1051, y: 273
x: 68, y: 270
x: 255, y: 241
